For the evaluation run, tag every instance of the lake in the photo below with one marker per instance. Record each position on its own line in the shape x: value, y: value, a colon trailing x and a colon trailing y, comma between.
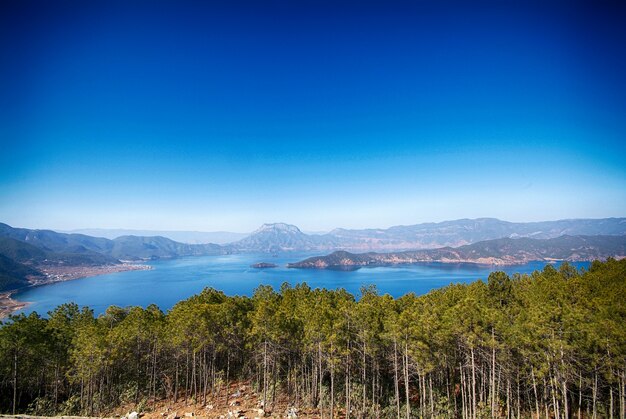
x: 173, y: 280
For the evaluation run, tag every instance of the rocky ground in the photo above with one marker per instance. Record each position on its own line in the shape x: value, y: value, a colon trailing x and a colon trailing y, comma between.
x: 243, y: 402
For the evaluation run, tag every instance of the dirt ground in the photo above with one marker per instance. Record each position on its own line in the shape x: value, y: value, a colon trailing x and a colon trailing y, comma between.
x: 243, y: 402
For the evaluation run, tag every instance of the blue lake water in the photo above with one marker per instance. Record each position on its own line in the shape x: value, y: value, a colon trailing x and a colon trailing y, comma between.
x: 173, y: 280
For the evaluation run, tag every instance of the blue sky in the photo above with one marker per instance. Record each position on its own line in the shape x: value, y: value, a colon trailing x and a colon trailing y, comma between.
x: 224, y: 115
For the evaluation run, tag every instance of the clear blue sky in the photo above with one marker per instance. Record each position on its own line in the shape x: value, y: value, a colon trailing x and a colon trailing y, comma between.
x: 224, y: 115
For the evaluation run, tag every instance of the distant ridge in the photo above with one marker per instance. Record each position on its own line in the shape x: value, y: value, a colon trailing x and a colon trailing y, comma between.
x: 124, y: 247
x: 506, y: 251
x: 277, y: 237
x: 26, y: 253
x: 187, y: 237
x: 467, y: 231
x: 285, y: 237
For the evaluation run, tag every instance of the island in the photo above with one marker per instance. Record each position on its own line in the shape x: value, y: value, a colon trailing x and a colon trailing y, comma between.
x: 263, y: 265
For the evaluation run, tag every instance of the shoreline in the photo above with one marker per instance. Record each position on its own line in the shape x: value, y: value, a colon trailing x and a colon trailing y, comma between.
x: 320, y: 265
x: 53, y: 275
x: 8, y: 305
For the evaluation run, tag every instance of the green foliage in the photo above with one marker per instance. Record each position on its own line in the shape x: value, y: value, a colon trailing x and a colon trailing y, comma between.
x: 484, y: 349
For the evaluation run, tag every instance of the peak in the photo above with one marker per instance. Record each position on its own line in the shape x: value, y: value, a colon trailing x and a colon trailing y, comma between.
x: 278, y: 227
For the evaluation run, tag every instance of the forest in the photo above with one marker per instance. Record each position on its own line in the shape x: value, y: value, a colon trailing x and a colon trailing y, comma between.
x: 550, y: 344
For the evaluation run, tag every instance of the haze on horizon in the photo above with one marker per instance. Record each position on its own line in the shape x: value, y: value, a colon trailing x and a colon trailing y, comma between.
x: 206, y: 117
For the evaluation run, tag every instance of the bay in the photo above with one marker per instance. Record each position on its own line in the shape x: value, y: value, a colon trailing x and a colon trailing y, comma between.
x: 173, y: 280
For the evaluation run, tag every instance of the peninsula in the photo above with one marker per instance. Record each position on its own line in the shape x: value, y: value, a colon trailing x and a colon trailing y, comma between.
x: 506, y: 251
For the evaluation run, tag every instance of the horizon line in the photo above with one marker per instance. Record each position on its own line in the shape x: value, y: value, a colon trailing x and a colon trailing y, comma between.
x: 309, y: 231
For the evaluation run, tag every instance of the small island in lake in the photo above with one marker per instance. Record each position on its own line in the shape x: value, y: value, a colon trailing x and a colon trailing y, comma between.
x: 263, y: 265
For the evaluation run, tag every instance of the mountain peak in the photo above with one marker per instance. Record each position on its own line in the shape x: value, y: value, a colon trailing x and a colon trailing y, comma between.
x: 279, y: 227
x: 277, y: 237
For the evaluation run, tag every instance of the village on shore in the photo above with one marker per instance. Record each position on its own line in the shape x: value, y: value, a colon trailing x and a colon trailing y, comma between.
x: 54, y: 274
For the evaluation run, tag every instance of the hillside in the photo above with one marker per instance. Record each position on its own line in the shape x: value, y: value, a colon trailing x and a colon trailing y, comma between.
x: 56, y: 242
x: 24, y: 252
x: 505, y: 251
x: 13, y: 274
x: 79, y: 248
x: 21, y: 251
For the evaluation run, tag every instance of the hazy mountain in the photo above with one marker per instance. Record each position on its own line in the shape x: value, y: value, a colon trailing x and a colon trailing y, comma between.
x: 189, y: 237
x: 136, y: 247
x: 283, y: 237
x: 506, y: 251
x: 466, y: 231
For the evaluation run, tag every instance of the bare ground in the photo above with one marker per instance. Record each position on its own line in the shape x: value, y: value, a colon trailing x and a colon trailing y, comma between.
x: 242, y: 402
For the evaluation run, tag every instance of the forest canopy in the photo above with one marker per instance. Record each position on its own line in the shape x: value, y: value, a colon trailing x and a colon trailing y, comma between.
x: 551, y: 344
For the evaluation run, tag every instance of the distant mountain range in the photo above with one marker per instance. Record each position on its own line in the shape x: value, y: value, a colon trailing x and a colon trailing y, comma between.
x: 506, y: 251
x: 189, y: 237
x: 281, y: 237
x: 466, y: 231
x: 94, y: 248
x: 26, y: 251
x: 284, y: 237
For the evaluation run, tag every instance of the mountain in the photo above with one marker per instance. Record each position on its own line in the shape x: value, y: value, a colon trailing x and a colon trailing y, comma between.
x: 506, y: 251
x: 57, y: 242
x: 39, y: 254
x: 21, y: 251
x: 21, y: 261
x: 136, y: 247
x: 45, y: 254
x: 125, y: 247
x: 189, y: 237
x: 466, y: 231
x: 278, y: 237
x: 13, y: 274
x: 283, y: 237
x: 82, y: 249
